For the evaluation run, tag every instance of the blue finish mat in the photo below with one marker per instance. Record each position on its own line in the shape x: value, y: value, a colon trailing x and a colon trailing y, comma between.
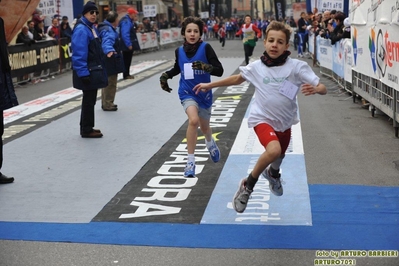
x: 344, y: 217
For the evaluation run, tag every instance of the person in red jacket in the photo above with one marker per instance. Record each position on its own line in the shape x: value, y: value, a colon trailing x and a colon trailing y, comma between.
x: 250, y: 33
x: 222, y: 34
x: 55, y: 28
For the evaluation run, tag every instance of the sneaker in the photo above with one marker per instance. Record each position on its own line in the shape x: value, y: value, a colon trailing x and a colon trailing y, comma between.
x: 214, y: 151
x: 274, y: 182
x: 300, y: 55
x: 189, y: 171
x: 241, y: 197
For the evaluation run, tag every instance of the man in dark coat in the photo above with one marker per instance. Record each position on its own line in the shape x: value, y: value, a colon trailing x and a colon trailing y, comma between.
x: 89, y: 72
x: 129, y: 42
x: 8, y: 98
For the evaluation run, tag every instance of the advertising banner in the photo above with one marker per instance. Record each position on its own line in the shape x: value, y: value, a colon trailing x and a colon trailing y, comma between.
x: 169, y: 36
x: 147, y: 40
x: 65, y: 54
x: 375, y: 41
x: 324, y: 52
x: 297, y: 9
x: 39, y: 56
x: 324, y: 5
x: 338, y: 58
x: 279, y: 6
x: 348, y: 59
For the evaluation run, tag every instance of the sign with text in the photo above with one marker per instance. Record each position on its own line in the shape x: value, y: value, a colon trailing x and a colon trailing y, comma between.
x: 150, y: 10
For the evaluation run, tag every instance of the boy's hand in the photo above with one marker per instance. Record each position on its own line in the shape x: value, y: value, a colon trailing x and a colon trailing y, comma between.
x: 164, y: 82
x: 199, y: 65
x: 202, y: 87
x: 308, y: 89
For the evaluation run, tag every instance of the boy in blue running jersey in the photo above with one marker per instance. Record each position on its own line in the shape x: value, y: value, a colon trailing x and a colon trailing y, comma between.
x: 195, y: 61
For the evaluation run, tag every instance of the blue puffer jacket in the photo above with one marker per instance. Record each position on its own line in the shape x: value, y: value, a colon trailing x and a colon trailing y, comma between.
x: 128, y: 34
x: 111, y: 43
x: 87, y: 57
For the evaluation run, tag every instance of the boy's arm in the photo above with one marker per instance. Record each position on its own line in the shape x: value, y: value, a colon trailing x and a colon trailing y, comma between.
x: 239, y: 32
x: 232, y: 80
x: 308, y: 89
x: 214, y: 61
x: 257, y: 30
x: 176, y: 68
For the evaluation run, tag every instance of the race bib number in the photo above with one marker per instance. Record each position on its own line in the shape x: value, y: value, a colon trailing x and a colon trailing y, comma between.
x: 288, y: 89
x: 188, y: 71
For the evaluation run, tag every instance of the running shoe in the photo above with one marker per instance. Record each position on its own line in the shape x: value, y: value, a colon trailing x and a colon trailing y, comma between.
x: 274, y: 182
x: 189, y: 171
x: 214, y: 151
x: 241, y: 197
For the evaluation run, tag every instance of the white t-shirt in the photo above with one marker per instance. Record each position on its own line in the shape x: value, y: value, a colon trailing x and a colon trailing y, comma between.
x: 270, y: 105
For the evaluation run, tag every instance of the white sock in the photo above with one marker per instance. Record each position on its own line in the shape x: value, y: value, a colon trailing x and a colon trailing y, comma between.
x: 208, y: 143
x: 191, y: 158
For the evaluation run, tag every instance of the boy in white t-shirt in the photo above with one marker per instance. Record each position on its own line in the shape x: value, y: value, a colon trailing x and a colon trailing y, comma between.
x: 277, y: 79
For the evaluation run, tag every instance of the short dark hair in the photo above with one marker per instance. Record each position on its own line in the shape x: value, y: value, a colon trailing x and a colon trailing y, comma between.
x: 340, y: 17
x: 194, y: 20
x: 111, y: 16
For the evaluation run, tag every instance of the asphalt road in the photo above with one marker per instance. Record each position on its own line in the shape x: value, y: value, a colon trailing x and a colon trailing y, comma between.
x: 343, y: 144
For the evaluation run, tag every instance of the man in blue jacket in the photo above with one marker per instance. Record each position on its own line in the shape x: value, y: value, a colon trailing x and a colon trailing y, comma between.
x: 129, y: 42
x: 89, y: 72
x: 113, y: 61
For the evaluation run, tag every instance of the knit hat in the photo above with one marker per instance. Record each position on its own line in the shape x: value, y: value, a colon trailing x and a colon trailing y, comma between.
x: 131, y: 11
x: 89, y: 6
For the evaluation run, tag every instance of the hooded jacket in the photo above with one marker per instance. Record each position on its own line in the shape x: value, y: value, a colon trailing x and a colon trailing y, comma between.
x: 87, y: 56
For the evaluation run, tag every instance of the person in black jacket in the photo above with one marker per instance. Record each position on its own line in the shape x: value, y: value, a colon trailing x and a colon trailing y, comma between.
x: 302, y: 34
x: 338, y: 33
x: 23, y: 36
x: 66, y: 31
x: 8, y: 98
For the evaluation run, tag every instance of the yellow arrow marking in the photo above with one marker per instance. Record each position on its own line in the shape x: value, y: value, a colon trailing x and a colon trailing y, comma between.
x: 214, y: 135
x: 235, y: 97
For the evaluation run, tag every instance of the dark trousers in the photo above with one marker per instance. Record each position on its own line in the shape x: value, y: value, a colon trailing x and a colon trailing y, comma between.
x: 305, y: 43
x: 222, y: 41
x: 296, y: 41
x: 248, y: 49
x: 87, y: 113
x: 127, y: 61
